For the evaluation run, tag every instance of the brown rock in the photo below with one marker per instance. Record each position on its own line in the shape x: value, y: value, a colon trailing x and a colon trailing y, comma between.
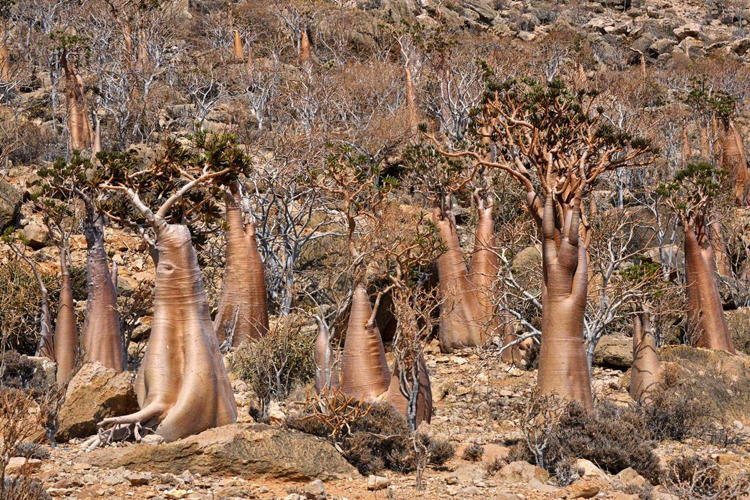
x: 245, y: 450
x: 22, y: 465
x: 614, y: 351
x: 583, y: 488
x: 94, y: 393
x: 629, y: 477
x: 36, y: 235
x: 522, y: 472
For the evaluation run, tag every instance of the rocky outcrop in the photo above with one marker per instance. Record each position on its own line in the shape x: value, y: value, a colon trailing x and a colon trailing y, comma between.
x: 245, y: 450
x: 94, y: 393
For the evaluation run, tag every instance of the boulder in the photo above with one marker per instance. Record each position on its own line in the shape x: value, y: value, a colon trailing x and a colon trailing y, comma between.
x: 686, y: 30
x: 614, y: 351
x: 36, y: 235
x: 94, y: 393
x: 245, y: 450
x: 661, y: 46
x: 10, y: 202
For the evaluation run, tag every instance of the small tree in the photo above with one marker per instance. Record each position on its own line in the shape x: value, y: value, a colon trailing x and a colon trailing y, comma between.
x: 555, y: 144
x: 182, y: 385
x: 690, y: 195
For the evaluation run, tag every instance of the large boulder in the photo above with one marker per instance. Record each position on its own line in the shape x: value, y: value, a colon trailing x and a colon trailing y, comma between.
x: 614, y: 351
x: 94, y: 393
x: 10, y: 202
x: 246, y: 450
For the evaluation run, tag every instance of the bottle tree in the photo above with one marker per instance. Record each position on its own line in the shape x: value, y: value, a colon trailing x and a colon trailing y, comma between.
x: 182, y: 383
x: 690, y: 196
x: 555, y: 143
x: 101, y: 338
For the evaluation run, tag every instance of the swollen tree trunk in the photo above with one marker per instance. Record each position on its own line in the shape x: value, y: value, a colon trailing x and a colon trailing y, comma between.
x: 733, y: 159
x: 459, y: 309
x: 46, y: 347
x: 182, y: 385
x: 563, y: 369
x: 484, y: 269
x: 706, y: 323
x: 364, y: 371
x: 101, y: 339
x: 81, y: 136
x: 238, y: 50
x: 723, y: 264
x: 645, y: 373
x: 66, y: 337
x: 326, y: 372
x: 243, y: 309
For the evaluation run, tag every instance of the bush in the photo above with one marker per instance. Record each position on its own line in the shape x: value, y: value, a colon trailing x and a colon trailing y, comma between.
x: 438, y: 450
x: 275, y: 363
x: 371, y: 436
x: 23, y: 488
x: 611, y: 437
x: 671, y: 414
x: 473, y: 453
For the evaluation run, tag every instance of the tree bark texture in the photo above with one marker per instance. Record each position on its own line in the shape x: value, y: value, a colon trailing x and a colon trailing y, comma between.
x: 645, y: 373
x: 182, y: 385
x: 237, y: 48
x: 243, y: 308
x: 562, y: 360
x: 66, y: 337
x: 484, y: 269
x: 706, y: 323
x: 400, y: 401
x: 101, y: 339
x: 364, y: 371
x: 460, y: 308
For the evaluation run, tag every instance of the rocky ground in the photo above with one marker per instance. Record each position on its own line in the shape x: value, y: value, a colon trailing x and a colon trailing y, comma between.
x: 475, y: 395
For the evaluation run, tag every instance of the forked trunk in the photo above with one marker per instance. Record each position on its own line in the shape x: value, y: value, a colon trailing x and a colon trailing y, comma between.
x: 243, y: 309
x: 78, y: 123
x: 66, y: 337
x: 415, y: 407
x: 484, y: 269
x: 733, y: 159
x: 706, y: 323
x: 645, y: 373
x: 326, y: 370
x: 239, y: 52
x: 182, y: 385
x: 459, y: 309
x: 563, y: 369
x: 364, y: 371
x: 101, y: 339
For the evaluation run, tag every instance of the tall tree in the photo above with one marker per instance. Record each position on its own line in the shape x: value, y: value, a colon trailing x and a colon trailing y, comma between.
x: 690, y: 195
x: 243, y: 308
x: 555, y: 144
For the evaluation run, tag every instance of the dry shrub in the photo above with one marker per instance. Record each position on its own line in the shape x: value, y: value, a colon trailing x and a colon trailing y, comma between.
x: 20, y: 309
x: 613, y: 438
x: 24, y: 488
x: 371, y: 436
x: 19, y: 421
x: 701, y: 478
x: 672, y: 415
x: 275, y: 363
x: 473, y: 453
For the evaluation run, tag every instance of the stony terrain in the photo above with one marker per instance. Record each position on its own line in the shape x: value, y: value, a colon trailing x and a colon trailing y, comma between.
x: 475, y: 395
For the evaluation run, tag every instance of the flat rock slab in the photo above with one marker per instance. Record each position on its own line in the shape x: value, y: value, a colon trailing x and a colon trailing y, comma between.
x: 246, y: 450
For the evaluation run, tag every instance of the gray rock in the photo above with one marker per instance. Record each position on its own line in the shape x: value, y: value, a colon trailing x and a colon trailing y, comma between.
x: 691, y: 29
x: 661, y: 46
x: 36, y: 235
x: 375, y: 483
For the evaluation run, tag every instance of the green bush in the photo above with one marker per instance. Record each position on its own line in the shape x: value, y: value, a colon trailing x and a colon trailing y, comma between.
x: 275, y: 363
